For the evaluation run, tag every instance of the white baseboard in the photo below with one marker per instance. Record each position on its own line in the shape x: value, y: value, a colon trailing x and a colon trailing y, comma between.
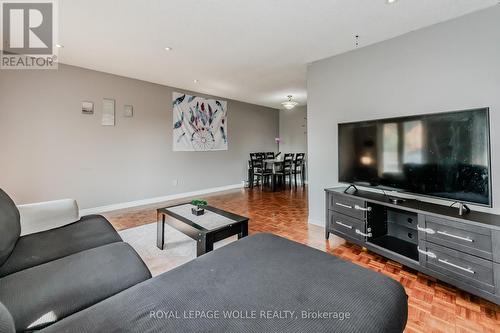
x: 143, y: 202
x: 316, y: 222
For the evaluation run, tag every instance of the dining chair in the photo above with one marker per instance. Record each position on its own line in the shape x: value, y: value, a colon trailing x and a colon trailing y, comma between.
x: 286, y: 169
x: 258, y: 169
x: 267, y: 156
x: 298, y: 167
x: 251, y: 166
x: 254, y: 156
x: 270, y: 155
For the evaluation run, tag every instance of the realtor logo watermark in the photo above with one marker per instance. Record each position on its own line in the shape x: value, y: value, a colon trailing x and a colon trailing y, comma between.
x: 29, y: 32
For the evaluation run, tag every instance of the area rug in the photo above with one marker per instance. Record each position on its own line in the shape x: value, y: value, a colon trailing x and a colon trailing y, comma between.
x: 178, y: 248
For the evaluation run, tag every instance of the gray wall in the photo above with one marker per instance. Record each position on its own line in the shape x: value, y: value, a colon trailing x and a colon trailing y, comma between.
x: 49, y: 150
x: 450, y: 66
x: 293, y: 130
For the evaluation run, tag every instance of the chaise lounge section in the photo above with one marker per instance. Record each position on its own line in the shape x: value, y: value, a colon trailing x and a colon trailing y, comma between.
x: 263, y: 273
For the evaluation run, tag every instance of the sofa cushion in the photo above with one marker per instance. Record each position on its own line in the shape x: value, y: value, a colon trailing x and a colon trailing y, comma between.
x: 35, y: 249
x: 261, y: 273
x: 6, y: 321
x: 41, y: 295
x: 10, y: 227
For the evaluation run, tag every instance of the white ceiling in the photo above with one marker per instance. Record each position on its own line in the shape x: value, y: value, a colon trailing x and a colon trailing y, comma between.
x: 255, y: 51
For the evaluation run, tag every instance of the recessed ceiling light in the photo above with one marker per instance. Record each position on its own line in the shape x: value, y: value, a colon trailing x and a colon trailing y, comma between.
x: 195, y: 81
x: 59, y: 46
x: 168, y: 48
x: 390, y: 1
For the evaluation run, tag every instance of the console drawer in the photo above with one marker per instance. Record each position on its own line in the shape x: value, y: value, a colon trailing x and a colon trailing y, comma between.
x: 458, y: 265
x: 346, y: 225
x: 463, y: 237
x: 349, y: 206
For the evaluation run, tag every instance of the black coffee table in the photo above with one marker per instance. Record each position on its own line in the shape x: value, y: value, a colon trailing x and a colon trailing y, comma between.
x: 213, y: 226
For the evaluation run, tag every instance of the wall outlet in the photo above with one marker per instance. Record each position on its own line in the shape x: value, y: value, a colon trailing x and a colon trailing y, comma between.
x: 175, y: 182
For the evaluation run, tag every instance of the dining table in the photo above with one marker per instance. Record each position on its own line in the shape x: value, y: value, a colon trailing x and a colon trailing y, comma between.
x: 272, y: 164
x: 275, y: 166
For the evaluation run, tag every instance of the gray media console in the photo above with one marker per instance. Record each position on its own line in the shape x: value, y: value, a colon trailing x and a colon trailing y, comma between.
x: 461, y: 250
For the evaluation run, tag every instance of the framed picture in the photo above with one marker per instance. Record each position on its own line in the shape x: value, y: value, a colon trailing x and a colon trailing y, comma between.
x: 128, y: 111
x: 87, y: 107
x: 199, y: 124
x: 108, y: 112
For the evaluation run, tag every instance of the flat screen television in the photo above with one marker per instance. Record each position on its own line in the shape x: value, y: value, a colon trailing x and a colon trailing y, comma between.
x: 443, y: 155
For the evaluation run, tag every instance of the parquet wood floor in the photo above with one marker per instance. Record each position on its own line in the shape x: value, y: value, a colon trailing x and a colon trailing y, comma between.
x: 434, y: 306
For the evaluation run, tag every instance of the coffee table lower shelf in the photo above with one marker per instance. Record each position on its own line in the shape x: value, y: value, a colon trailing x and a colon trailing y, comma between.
x: 204, y: 238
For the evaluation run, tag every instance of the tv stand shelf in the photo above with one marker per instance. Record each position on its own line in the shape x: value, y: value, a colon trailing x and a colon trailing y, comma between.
x: 397, y: 245
x: 463, y: 250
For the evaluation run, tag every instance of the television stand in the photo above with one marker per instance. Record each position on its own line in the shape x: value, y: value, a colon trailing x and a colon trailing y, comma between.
x: 396, y: 201
x: 462, y: 250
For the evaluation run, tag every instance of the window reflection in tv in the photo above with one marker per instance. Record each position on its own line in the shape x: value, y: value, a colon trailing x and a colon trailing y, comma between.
x: 444, y: 155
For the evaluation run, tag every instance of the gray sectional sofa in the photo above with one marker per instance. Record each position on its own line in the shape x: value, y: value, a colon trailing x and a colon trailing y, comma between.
x: 261, y: 283
x: 48, y: 275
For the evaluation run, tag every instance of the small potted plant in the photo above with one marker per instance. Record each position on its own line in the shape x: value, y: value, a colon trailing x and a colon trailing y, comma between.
x: 198, y: 210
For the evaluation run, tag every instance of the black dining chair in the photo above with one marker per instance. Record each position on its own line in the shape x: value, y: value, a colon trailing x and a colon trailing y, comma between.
x: 259, y: 171
x: 286, y: 169
x: 269, y: 155
x: 254, y: 156
x: 251, y: 177
x: 298, y: 168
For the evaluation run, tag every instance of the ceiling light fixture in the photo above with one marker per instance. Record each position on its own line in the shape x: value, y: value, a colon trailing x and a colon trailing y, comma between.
x: 168, y: 48
x: 195, y: 81
x: 290, y: 104
x: 389, y: 2
x: 59, y: 46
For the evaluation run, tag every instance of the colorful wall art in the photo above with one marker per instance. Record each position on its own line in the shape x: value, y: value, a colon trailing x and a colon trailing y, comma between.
x: 199, y: 124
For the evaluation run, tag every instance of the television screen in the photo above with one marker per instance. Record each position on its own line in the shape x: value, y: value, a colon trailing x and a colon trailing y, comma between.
x: 445, y: 155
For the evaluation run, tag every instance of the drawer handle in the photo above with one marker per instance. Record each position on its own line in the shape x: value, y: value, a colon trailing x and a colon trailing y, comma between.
x: 468, y: 270
x: 367, y: 209
x: 427, y: 253
x: 444, y: 233
x: 342, y: 205
x: 426, y: 230
x: 363, y: 234
x: 344, y: 225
